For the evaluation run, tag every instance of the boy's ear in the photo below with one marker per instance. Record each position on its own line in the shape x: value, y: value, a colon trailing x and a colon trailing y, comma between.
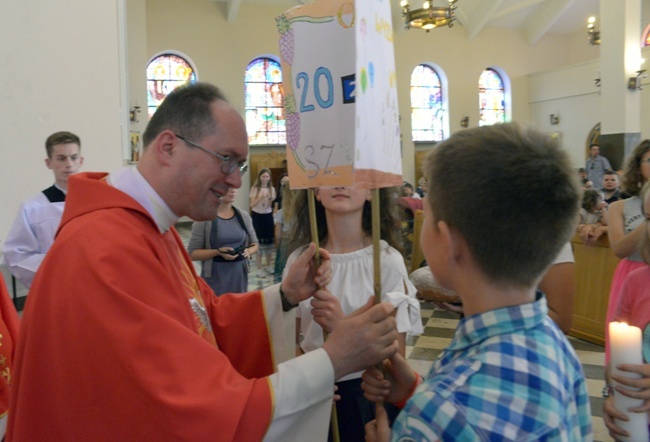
x: 451, y: 243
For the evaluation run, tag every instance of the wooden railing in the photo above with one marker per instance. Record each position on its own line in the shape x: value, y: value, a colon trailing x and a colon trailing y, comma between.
x: 594, y: 268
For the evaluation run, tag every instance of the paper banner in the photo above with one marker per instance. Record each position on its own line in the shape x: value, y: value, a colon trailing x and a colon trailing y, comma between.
x: 340, y: 130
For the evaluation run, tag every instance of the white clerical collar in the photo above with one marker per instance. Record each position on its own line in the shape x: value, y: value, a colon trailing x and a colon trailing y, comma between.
x: 130, y: 181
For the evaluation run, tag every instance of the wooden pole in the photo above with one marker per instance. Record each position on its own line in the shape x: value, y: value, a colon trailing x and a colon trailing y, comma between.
x: 376, y: 257
x: 311, y: 203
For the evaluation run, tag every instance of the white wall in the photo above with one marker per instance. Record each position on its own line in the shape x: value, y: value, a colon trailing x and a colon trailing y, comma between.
x: 60, y: 71
x: 571, y: 94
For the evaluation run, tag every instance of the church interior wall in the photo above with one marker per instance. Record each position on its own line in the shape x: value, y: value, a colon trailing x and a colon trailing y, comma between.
x: 70, y: 61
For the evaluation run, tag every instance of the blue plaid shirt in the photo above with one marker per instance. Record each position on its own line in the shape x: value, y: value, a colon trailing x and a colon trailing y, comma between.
x: 508, y: 374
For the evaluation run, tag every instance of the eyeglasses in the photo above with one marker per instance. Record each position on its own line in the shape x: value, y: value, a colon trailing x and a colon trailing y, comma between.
x: 228, y: 164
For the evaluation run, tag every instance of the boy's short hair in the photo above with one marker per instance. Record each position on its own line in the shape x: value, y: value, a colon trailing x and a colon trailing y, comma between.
x: 512, y: 194
x: 62, y: 137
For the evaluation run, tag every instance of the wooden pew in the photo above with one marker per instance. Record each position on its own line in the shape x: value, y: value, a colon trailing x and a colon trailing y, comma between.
x: 594, y: 269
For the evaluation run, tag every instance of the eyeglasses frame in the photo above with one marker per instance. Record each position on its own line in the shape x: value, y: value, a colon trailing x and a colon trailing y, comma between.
x: 228, y: 165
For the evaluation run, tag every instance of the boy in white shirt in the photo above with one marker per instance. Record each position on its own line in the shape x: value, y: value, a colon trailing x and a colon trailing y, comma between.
x: 33, y: 230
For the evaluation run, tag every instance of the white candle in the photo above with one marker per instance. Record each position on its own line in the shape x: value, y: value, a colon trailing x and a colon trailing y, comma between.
x: 625, y: 343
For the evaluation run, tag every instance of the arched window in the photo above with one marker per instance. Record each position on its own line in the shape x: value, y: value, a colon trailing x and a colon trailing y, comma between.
x: 264, y: 99
x: 427, y: 114
x: 645, y: 41
x: 165, y: 72
x: 492, y: 98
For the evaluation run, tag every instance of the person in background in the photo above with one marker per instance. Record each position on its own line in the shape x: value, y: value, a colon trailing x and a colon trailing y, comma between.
x: 593, y: 207
x: 610, y: 186
x: 343, y: 217
x: 262, y: 195
x: 422, y: 187
x: 625, y: 226
x: 596, y: 166
x: 284, y: 220
x: 33, y: 230
x: 125, y: 342
x: 583, y: 176
x: 509, y: 372
x: 633, y: 308
x: 592, y: 223
x: 408, y: 192
x: 224, y: 246
x: 284, y: 182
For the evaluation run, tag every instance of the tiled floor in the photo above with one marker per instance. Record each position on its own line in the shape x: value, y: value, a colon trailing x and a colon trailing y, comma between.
x: 439, y: 327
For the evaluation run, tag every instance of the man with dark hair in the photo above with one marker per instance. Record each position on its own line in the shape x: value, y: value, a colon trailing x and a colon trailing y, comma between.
x: 509, y: 372
x: 596, y: 166
x: 33, y: 230
x: 125, y: 342
x: 610, y: 186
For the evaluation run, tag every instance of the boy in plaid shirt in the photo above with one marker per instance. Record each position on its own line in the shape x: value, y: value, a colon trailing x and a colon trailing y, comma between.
x: 502, y: 201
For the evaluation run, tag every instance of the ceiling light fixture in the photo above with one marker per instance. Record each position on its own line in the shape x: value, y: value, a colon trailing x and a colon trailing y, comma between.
x: 429, y: 16
x: 594, y: 35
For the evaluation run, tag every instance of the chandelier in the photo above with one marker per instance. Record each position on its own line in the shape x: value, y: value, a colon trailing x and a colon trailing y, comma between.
x: 429, y: 16
x: 594, y: 35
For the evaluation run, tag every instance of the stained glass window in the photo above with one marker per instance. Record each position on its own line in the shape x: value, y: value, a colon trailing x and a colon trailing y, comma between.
x: 164, y: 74
x: 426, y: 105
x: 492, y: 98
x: 265, y: 120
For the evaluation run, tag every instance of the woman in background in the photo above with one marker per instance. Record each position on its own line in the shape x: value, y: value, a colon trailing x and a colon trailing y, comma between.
x: 625, y: 226
x: 261, y: 200
x: 224, y: 246
x: 282, y: 184
x: 633, y: 308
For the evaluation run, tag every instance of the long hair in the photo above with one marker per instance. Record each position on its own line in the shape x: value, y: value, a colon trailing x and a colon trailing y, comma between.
x: 258, y: 183
x: 389, y: 219
x: 644, y: 244
x: 288, y: 202
x: 632, y: 177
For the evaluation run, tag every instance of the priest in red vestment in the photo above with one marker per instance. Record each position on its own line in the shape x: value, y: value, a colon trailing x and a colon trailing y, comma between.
x: 121, y: 340
x: 9, y: 324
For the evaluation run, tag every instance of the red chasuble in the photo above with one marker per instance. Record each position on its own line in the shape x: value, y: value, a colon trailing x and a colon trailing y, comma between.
x: 121, y: 340
x: 9, y: 324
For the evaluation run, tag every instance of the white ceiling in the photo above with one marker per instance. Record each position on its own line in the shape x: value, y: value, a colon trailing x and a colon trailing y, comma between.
x: 533, y: 17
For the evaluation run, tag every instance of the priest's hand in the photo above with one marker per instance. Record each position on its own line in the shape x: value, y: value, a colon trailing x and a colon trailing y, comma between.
x: 362, y: 339
x: 303, y: 278
x: 326, y: 310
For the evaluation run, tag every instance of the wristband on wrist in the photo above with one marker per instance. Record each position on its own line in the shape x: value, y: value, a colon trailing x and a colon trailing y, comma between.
x: 608, y: 390
x: 286, y: 305
x: 418, y: 381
